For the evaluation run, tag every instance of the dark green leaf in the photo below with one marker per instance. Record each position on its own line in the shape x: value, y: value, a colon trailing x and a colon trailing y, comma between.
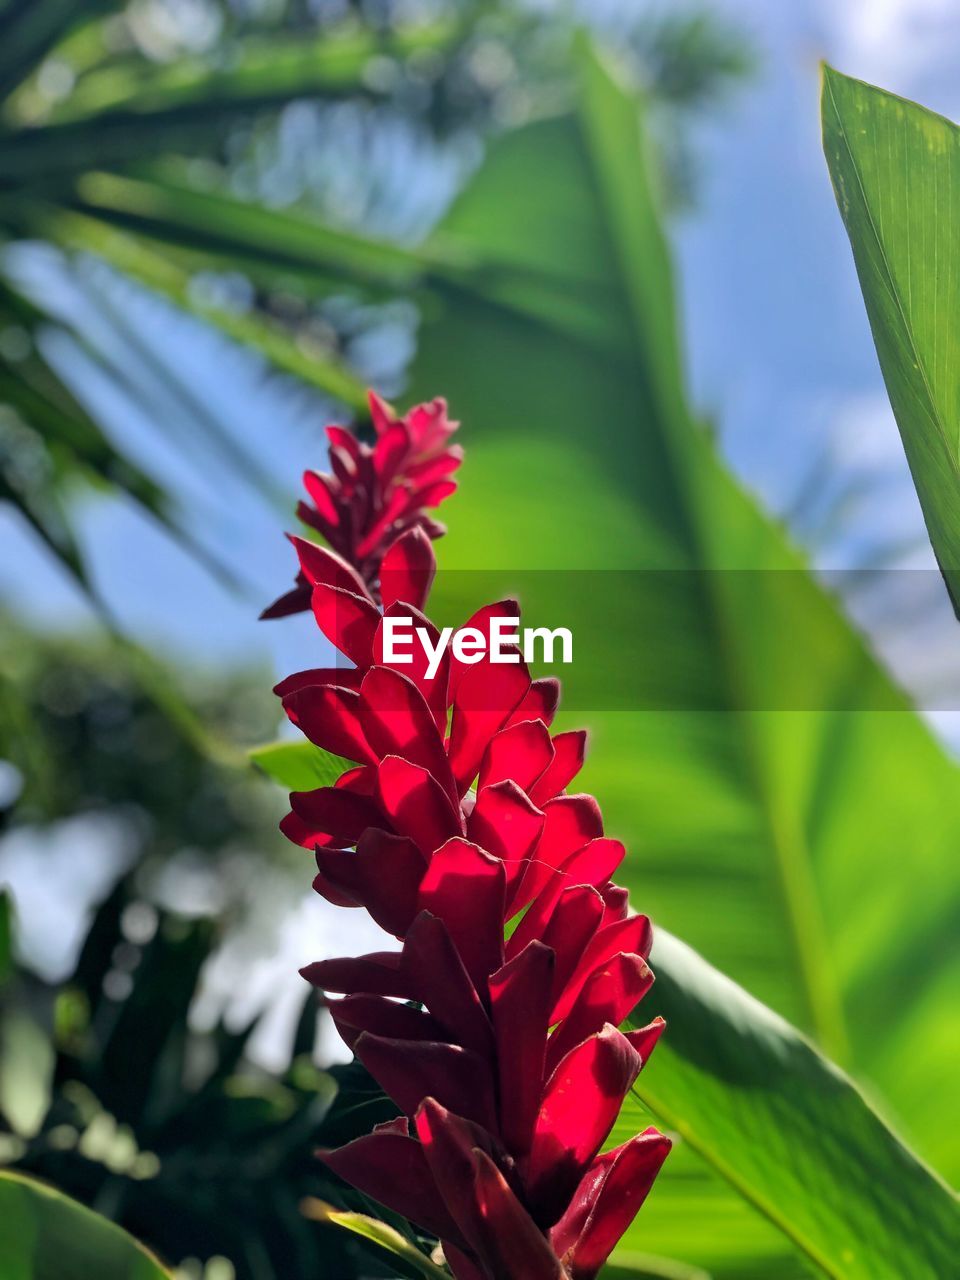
x: 46, y: 1236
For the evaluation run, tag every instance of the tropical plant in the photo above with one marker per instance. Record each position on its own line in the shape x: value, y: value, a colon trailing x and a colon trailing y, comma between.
x: 785, y: 809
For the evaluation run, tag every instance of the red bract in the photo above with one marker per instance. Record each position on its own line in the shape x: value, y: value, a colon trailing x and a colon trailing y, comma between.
x: 453, y: 827
x: 372, y: 495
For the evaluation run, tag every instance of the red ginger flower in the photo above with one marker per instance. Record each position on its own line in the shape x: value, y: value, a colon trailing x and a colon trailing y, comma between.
x: 375, y: 494
x: 510, y: 1073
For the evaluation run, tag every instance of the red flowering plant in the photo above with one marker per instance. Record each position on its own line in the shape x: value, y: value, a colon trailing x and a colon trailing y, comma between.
x: 494, y: 1028
x: 374, y: 494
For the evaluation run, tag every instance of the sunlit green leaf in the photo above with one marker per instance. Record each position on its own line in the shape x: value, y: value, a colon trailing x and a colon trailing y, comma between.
x: 789, y: 1131
x: 298, y: 766
x: 379, y: 1233
x: 765, y: 772
x: 896, y: 173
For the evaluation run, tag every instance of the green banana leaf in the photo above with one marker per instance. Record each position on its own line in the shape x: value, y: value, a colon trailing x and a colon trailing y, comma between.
x: 47, y: 1236
x: 788, y: 1131
x: 895, y: 169
x: 785, y: 809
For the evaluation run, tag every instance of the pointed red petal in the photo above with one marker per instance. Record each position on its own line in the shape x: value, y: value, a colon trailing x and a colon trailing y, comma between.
x: 569, y: 750
x: 616, y: 902
x: 349, y: 621
x: 436, y: 975
x: 431, y: 495
x: 343, y: 677
x: 328, y: 816
x: 319, y: 487
x: 430, y: 426
x: 449, y: 1142
x: 383, y: 875
x: 378, y: 974
x: 594, y: 864
x: 480, y: 621
x: 416, y: 804
x: 465, y: 887
x: 606, y: 1202
x: 520, y: 1003
x: 409, y: 1071
x: 580, y: 1104
x: 508, y: 825
x: 355, y: 1014
x: 632, y: 935
x: 574, y: 921
x: 540, y: 703
x: 610, y: 993
x: 394, y: 1171
x: 397, y: 502
x: 513, y: 1245
x: 391, y: 451
x: 433, y: 689
x: 296, y: 600
x: 397, y: 722
x: 644, y: 1039
x: 329, y: 715
x: 520, y: 754
x: 321, y: 565
x: 486, y: 694
x: 408, y: 570
x: 382, y: 412
x: 305, y: 834
x: 423, y: 474
x: 569, y: 822
x: 346, y: 444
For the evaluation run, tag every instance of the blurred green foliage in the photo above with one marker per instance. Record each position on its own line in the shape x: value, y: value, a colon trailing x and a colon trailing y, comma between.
x: 170, y: 1131
x: 216, y: 108
x: 87, y: 731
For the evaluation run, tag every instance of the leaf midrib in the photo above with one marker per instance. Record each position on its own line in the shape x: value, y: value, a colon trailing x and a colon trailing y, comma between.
x: 800, y: 905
